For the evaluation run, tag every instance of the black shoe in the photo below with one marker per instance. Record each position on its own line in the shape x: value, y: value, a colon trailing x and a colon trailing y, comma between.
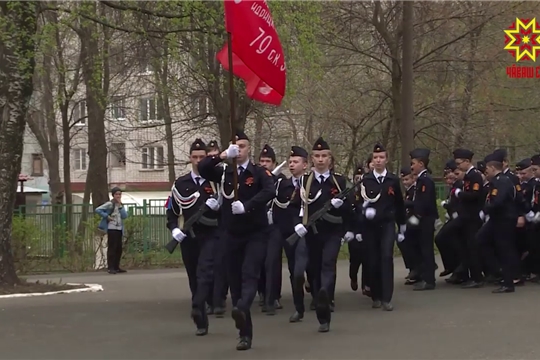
x: 112, y: 272
x: 445, y: 273
x: 455, y: 280
x: 209, y: 310
x: 386, y: 306
x: 332, y: 306
x: 277, y: 305
x: 198, y: 319
x: 219, y: 312
x: 243, y: 344
x: 264, y: 308
x: 261, y: 299
x: 324, y: 328
x: 313, y: 305
x: 376, y: 304
x: 270, y: 311
x: 411, y: 281
x: 472, y: 285
x: 239, y: 318
x: 323, y: 307
x: 307, y: 287
x: 504, y: 289
x: 422, y: 285
x: 121, y: 271
x: 296, y: 317
x: 354, y: 285
x: 408, y: 275
x: 201, y: 332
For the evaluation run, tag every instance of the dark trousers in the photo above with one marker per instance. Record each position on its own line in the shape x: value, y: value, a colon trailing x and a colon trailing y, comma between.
x: 380, y: 237
x: 427, y: 251
x: 245, y: 257
x: 272, y: 267
x: 410, y: 248
x: 221, y: 286
x: 469, y: 247
x: 358, y: 256
x: 533, y: 258
x: 114, y: 249
x: 446, y: 240
x: 323, y: 249
x: 198, y: 258
x: 297, y: 260
x: 500, y: 233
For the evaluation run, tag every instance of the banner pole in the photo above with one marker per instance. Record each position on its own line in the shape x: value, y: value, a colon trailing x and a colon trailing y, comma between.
x: 232, y: 112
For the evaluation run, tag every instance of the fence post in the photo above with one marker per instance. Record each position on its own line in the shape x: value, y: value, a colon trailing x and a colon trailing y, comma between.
x: 145, y: 227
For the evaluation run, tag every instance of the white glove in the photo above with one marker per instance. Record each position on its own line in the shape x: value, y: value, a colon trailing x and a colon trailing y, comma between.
x: 178, y: 235
x: 400, y: 237
x: 232, y: 151
x: 438, y: 222
x: 446, y: 216
x: 536, y: 217
x: 456, y: 193
x: 237, y: 208
x: 482, y: 215
x: 529, y: 216
x: 413, y: 220
x: 349, y: 235
x: 487, y: 218
x: 336, y: 203
x: 443, y: 203
x: 358, y: 237
x: 300, y: 230
x: 454, y: 215
x: 213, y: 204
x: 402, y: 229
x: 270, y: 217
x: 370, y: 213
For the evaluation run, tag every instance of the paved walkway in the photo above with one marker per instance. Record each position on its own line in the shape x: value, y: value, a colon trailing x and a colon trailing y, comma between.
x: 145, y: 315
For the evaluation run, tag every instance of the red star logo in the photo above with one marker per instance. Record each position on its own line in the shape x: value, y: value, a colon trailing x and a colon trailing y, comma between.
x: 522, y: 39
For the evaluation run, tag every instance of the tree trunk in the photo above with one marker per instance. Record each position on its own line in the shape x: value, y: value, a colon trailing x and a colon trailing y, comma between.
x: 407, y: 98
x: 96, y: 79
x: 18, y: 26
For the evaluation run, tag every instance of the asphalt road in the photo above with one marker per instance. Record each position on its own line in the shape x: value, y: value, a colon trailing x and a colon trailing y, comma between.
x: 145, y: 315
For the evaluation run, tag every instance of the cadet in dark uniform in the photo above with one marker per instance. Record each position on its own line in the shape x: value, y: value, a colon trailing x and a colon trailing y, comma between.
x: 324, y: 239
x: 221, y: 287
x: 500, y: 212
x: 189, y: 193
x: 246, y: 228
x: 471, y: 203
x: 424, y: 215
x: 528, y: 183
x: 357, y: 251
x: 270, y: 282
x: 446, y: 237
x: 286, y: 214
x: 410, y: 246
x: 384, y: 207
x: 533, y: 258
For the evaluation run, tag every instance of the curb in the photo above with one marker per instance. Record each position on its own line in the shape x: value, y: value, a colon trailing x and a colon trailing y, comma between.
x: 89, y: 288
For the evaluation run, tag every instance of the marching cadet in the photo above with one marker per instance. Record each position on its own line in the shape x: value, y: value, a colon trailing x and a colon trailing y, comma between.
x: 221, y: 288
x: 245, y: 225
x: 470, y: 203
x: 324, y: 239
x: 447, y: 236
x: 534, y: 232
x: 270, y: 281
x: 357, y: 248
x: 286, y: 214
x: 500, y: 212
x: 528, y: 183
x: 425, y: 214
x: 384, y: 207
x: 409, y: 248
x: 189, y: 193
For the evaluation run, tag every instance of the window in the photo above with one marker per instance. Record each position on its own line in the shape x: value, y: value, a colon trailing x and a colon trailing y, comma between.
x: 118, y: 109
x: 150, y: 110
x: 152, y: 158
x: 79, y: 113
x: 118, y: 155
x: 37, y: 164
x: 79, y: 157
x: 199, y: 106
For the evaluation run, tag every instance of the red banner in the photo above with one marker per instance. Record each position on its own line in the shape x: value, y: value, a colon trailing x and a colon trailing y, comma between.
x: 257, y: 53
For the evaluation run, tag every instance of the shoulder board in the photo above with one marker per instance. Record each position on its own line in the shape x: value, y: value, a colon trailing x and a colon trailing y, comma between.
x: 337, y: 174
